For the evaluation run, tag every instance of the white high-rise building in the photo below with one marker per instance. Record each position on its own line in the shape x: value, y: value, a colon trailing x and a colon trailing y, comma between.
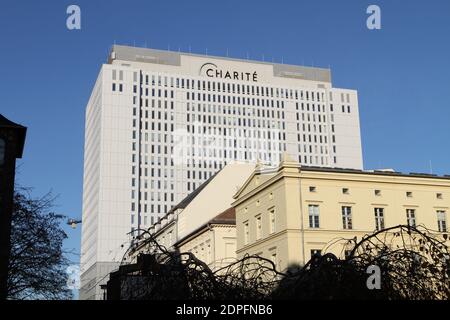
x: 159, y: 123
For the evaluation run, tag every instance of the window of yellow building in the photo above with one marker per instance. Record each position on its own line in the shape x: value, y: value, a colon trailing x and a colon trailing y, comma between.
x: 347, y: 222
x: 258, y: 228
x: 273, y: 258
x: 313, y: 211
x: 246, y: 233
x: 442, y: 221
x: 379, y: 219
x: 272, y: 220
x: 411, y: 217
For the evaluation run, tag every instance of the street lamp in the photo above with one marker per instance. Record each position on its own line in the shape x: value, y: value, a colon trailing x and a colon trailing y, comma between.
x: 73, y: 223
x: 12, y: 140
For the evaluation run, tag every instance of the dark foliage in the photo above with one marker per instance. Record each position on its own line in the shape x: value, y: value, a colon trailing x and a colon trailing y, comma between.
x: 37, y: 261
x: 327, y: 278
x: 414, y: 264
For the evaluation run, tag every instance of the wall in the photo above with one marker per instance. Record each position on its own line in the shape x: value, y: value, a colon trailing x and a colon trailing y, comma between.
x: 288, y: 192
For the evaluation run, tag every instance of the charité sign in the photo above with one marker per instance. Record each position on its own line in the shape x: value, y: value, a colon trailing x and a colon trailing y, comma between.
x: 211, y: 70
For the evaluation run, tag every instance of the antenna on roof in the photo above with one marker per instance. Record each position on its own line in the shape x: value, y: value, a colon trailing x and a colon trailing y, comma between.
x: 282, y: 60
x: 227, y: 52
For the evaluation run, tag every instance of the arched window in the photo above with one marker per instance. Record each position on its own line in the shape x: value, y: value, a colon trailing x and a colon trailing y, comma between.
x: 2, y: 151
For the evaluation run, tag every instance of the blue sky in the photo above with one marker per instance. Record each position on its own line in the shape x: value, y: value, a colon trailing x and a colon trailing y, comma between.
x: 401, y: 71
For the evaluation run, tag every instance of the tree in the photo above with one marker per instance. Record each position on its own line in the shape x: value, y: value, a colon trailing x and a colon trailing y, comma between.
x: 37, y: 260
x: 413, y: 263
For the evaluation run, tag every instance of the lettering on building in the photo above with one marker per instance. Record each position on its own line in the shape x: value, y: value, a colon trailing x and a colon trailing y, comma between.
x: 211, y: 70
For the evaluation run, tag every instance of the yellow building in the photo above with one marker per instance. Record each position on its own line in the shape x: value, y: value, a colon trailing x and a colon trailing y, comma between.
x: 204, y: 222
x: 289, y: 213
x: 213, y: 243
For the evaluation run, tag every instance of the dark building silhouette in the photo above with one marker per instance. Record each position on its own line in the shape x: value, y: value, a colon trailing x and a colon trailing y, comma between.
x: 12, y: 140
